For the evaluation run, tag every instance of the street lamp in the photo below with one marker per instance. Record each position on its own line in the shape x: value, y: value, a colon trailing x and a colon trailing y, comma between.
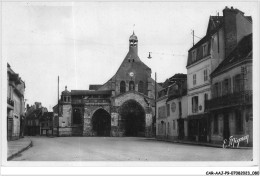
x: 155, y: 96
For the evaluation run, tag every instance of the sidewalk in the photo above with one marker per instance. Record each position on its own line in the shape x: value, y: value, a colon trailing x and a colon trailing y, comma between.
x: 17, y: 146
x: 202, y: 144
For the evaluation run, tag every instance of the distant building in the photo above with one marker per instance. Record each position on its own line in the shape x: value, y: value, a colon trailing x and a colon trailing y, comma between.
x: 171, y: 121
x: 34, y: 115
x: 15, y: 105
x: 223, y: 35
x: 123, y: 106
x: 46, y: 124
x: 231, y: 105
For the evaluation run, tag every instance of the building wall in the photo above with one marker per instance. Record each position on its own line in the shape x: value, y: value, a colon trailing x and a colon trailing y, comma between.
x: 235, y: 71
x: 244, y: 26
x: 217, y: 49
x: 201, y: 86
x: 236, y: 26
x: 161, y: 117
x: 65, y: 120
x: 198, y: 69
x: 217, y: 136
x: 16, y: 115
x: 169, y: 128
x: 246, y: 112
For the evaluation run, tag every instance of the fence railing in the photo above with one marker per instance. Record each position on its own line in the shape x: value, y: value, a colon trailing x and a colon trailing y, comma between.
x: 237, y: 98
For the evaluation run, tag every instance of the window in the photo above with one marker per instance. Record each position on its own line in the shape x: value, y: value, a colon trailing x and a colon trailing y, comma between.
x: 225, y: 88
x: 194, y: 79
x: 168, y: 110
x: 205, y: 75
x: 215, y: 124
x: 131, y: 85
x: 193, y: 55
x: 239, y: 122
x: 162, y: 112
x: 205, y: 99
x: 173, y: 124
x: 168, y: 128
x: 122, y: 87
x: 180, y: 109
x: 141, y: 87
x: 205, y: 50
x: 237, y: 83
x: 195, y: 104
x: 217, y: 90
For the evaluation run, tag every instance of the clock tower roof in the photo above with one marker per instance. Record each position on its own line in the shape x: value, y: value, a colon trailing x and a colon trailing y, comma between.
x: 133, y: 37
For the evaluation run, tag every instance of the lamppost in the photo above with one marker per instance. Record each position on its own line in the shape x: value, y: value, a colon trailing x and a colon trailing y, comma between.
x: 155, y: 98
x: 58, y: 133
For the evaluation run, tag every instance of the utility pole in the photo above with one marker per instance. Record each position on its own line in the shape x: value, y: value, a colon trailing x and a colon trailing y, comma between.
x: 193, y: 37
x: 155, y: 105
x: 155, y: 99
x: 58, y: 133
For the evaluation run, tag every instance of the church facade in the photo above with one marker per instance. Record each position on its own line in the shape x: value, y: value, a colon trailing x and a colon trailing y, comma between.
x: 123, y: 106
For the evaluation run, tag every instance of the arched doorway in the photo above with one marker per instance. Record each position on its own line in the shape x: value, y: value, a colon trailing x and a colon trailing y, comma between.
x: 132, y: 118
x: 101, y: 122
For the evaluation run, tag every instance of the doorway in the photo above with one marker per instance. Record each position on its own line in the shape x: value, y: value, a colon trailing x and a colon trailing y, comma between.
x: 101, y: 122
x: 132, y: 118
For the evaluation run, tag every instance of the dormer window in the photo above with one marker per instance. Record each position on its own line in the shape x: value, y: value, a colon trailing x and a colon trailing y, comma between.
x: 205, y: 49
x: 193, y: 55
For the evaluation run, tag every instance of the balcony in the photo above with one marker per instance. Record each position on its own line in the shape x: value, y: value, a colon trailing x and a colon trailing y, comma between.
x: 242, y: 98
x: 10, y: 103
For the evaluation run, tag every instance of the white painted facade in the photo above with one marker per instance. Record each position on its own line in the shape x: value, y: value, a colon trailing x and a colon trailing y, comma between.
x: 167, y: 122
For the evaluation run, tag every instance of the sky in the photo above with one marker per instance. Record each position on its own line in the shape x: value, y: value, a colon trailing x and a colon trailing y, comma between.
x: 85, y: 42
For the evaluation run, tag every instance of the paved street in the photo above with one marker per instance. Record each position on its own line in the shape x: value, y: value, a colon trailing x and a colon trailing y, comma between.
x: 124, y: 149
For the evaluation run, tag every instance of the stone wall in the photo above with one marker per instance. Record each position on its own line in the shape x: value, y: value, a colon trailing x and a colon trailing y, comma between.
x: 89, y: 110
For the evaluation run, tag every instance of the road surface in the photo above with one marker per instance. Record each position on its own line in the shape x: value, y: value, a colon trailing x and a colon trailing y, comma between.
x: 124, y: 149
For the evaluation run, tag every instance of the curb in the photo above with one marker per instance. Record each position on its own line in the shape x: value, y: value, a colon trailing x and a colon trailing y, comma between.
x: 201, y: 144
x: 20, y: 151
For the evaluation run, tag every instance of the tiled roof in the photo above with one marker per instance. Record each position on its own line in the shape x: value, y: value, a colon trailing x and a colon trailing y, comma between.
x: 94, y: 86
x: 173, y: 79
x: 242, y: 52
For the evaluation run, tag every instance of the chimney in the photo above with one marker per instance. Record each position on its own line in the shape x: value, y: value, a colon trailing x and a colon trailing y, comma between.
x: 236, y: 26
x: 230, y: 29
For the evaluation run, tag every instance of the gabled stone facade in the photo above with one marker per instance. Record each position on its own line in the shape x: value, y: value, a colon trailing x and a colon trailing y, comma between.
x: 123, y: 106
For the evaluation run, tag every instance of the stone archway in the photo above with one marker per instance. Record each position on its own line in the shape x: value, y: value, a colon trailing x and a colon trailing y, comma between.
x: 101, y: 123
x: 132, y: 118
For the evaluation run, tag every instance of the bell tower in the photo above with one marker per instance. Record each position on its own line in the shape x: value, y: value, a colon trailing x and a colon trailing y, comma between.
x: 133, y: 43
